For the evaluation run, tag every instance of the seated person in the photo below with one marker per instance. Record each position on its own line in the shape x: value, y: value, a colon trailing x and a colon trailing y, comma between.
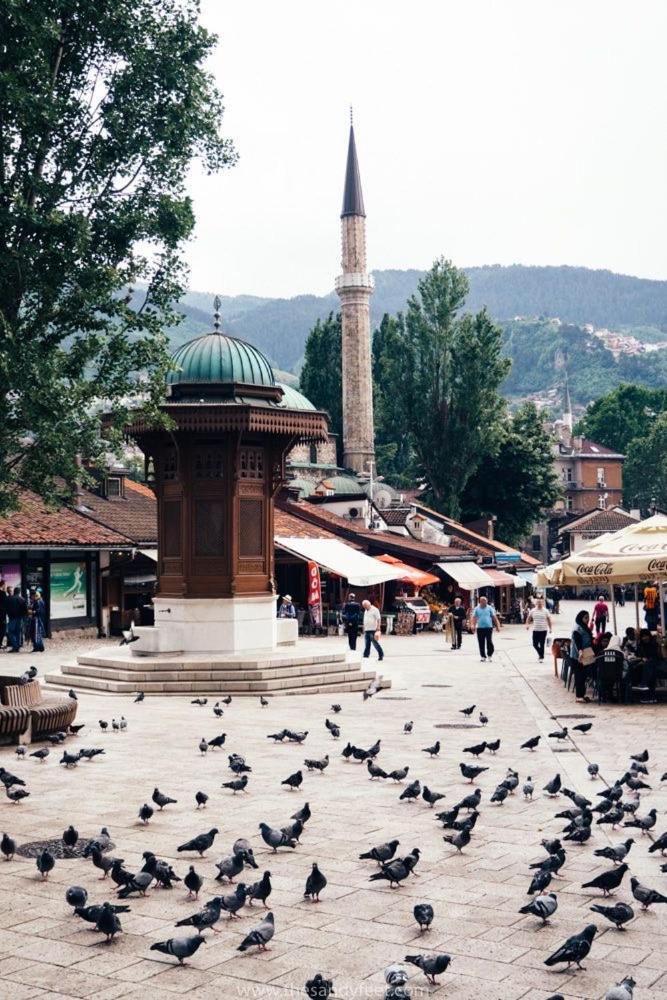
x: 600, y: 642
x: 648, y: 666
x: 287, y: 609
x: 629, y: 643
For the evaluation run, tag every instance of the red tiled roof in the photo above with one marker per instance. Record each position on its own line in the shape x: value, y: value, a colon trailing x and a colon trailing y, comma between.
x: 289, y: 526
x: 395, y: 516
x: 135, y: 514
x: 600, y: 520
x: 36, y: 524
x: 592, y: 448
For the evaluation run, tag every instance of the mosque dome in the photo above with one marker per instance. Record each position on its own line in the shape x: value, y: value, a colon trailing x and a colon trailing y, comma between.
x: 304, y: 486
x: 293, y: 399
x: 342, y: 484
x: 216, y: 359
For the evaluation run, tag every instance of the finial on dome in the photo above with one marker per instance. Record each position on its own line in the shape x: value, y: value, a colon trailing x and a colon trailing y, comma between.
x: 217, y: 302
x: 351, y: 116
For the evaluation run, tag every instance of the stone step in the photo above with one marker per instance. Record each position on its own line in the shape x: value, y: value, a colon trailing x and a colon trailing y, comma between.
x: 341, y: 681
x: 145, y: 664
x: 195, y: 674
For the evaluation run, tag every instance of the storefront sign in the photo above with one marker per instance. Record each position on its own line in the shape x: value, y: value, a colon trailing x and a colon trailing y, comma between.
x: 68, y: 590
x: 314, y: 593
x: 11, y: 574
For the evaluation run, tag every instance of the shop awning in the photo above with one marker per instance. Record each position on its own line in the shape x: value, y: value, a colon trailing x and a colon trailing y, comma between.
x: 356, y: 567
x: 468, y: 575
x: 410, y: 574
x: 150, y: 554
x: 500, y: 579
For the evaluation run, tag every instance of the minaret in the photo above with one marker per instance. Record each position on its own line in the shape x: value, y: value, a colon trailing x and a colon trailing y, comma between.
x: 355, y: 287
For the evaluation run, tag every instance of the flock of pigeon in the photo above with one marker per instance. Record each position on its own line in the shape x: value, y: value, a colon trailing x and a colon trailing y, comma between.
x: 616, y: 807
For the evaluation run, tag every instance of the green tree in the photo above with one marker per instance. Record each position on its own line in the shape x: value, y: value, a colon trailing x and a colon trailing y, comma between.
x: 396, y: 459
x: 443, y: 388
x: 518, y: 482
x: 104, y: 104
x: 645, y: 471
x: 321, y: 377
x: 626, y: 413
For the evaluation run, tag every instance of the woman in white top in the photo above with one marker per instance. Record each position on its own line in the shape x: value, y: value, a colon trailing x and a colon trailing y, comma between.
x: 540, y: 619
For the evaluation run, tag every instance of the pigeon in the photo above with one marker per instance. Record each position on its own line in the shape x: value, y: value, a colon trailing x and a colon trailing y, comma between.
x: 394, y: 872
x: 193, y: 882
x: 493, y: 746
x: 511, y: 782
x: 411, y: 791
x: 319, y: 765
x: 16, y: 795
x: 615, y: 854
x: 374, y: 771
x: 41, y: 754
x: 613, y: 817
x: 431, y: 965
x: 636, y: 784
x: 641, y: 758
x: 205, y: 918
x: 217, y: 711
x: 315, y: 883
x: 277, y: 737
x: 108, y: 922
x: 199, y: 701
x: 76, y: 895
x: 237, y: 785
x: 69, y: 759
x: 91, y: 914
x: 8, y: 846
x: 448, y: 817
x: 471, y: 771
x: 400, y: 774
x: 471, y: 801
x: 531, y: 743
x: 296, y: 737
x: 275, y: 838
x: 227, y: 700
x: 203, y: 746
x: 579, y: 836
x: 407, y: 727
x: 593, y: 770
x: 45, y: 863
x: 583, y: 727
x: 161, y: 800
x: 333, y: 728
x: 201, y: 843
x: 528, y: 788
x: 552, y: 846
x: 475, y: 750
x: 260, y: 936
x: 607, y: 881
x: 293, y: 781
x: 141, y: 881
x: 542, y: 907
x: 561, y: 734
x: 260, y: 890
x: 579, y: 800
x: 613, y: 794
x: 234, y: 901
x: 20, y: 752
x: 145, y: 813
x: 618, y: 914
x: 229, y: 867
x: 217, y: 741
x: 467, y: 711
x: 293, y: 830
x: 647, y: 897
x: 119, y: 875
x: 88, y: 753
x: 382, y: 853
x: 238, y: 765
x: 72, y: 694
x: 459, y: 840
x: 552, y: 863
x: 104, y: 864
x: 483, y: 718
x: 499, y: 795
x: 180, y: 948
x: 432, y: 751
x: 644, y: 823
x: 431, y: 797
x: 319, y: 988
x: 540, y: 881
x: 660, y: 844
x: 638, y: 768
x: 55, y: 738
x: 575, y: 949
x: 70, y: 837
x: 263, y: 701
x: 115, y: 726
x: 622, y: 990
x: 103, y: 725
x: 423, y: 914
x: 303, y: 814
x: 140, y: 696
x: 201, y: 798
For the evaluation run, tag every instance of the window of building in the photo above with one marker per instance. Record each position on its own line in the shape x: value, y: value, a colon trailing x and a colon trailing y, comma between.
x: 602, y: 501
x: 251, y: 463
x: 601, y: 477
x: 313, y: 454
x: 113, y: 486
x: 569, y: 504
x: 536, y: 543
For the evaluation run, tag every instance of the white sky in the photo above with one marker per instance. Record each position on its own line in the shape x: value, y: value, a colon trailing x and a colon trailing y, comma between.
x: 490, y: 131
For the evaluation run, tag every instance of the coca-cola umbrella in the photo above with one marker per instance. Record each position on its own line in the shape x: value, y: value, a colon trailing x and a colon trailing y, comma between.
x: 636, y: 554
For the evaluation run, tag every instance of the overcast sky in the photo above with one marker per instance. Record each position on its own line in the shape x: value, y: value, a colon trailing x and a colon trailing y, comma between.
x: 490, y: 131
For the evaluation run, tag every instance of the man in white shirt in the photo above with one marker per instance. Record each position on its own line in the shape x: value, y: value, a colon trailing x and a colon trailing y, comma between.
x: 540, y: 619
x: 372, y: 623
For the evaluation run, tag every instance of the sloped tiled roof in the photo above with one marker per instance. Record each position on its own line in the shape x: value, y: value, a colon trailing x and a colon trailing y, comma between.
x: 36, y: 524
x: 135, y: 514
x: 486, y: 546
x: 613, y: 519
x: 395, y: 516
x: 289, y: 526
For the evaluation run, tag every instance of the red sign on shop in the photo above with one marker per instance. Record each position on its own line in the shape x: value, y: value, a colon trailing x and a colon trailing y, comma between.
x: 314, y: 593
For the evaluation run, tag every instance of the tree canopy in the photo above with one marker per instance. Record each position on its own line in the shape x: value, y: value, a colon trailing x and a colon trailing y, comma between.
x: 645, y: 471
x: 321, y: 375
x: 104, y: 104
x: 617, y: 418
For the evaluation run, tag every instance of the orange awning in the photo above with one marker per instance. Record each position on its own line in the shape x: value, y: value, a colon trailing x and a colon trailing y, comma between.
x: 500, y: 579
x: 410, y: 574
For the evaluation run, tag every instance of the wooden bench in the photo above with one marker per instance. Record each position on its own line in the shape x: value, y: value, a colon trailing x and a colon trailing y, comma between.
x: 25, y: 714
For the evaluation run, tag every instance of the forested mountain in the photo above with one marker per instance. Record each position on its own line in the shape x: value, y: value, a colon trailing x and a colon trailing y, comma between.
x: 575, y: 295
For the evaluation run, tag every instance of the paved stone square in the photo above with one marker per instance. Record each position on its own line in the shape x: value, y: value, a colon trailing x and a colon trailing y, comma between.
x: 359, y: 927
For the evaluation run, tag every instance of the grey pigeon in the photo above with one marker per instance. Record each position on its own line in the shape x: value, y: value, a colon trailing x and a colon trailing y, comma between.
x: 319, y: 988
x: 644, y: 823
x: 431, y: 965
x: 583, y: 727
x: 412, y: 791
x: 432, y: 751
x: 193, y: 882
x: 553, y: 787
x: 181, y: 948
x: 260, y: 890
x: 459, y: 840
x: 407, y: 727
x: 145, y: 813
x: 76, y: 895
x: 108, y: 922
x: 91, y: 914
x: 69, y: 759
x: 471, y: 801
x: 205, y: 918
x: 423, y: 914
x: 647, y: 897
x: 303, y: 814
x: 201, y: 843
x: 382, y: 853
x: 470, y: 771
x: 607, y: 881
x: 395, y: 872
x: 493, y: 746
x: 70, y: 837
x: 374, y: 771
x: 659, y: 844
x: 561, y: 734
x: 540, y: 881
x: 500, y: 794
x: 622, y: 990
x: 45, y: 863
x: 430, y: 796
x: 237, y: 784
x: 475, y: 750
x: 400, y: 774
x: 203, y: 746
x: 8, y: 846
x: 260, y: 935
x: 318, y: 765
x: 16, y: 795
x: 483, y: 718
x: 275, y: 838
x: 617, y: 853
x: 293, y: 781
x: 315, y: 883
x: 593, y: 769
x: 161, y: 800
x: 467, y: 711
x: 618, y: 914
x: 140, y: 882
x: 41, y: 754
x: 542, y: 907
x: 234, y: 901
x: 575, y: 949
x: 531, y: 743
x: 229, y: 867
x: 528, y: 788
x: 201, y: 798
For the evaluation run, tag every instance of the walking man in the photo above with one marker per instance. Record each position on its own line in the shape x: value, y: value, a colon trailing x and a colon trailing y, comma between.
x: 484, y: 620
x: 17, y: 609
x: 351, y: 615
x: 540, y: 619
x: 372, y: 623
x: 600, y: 615
x: 459, y: 615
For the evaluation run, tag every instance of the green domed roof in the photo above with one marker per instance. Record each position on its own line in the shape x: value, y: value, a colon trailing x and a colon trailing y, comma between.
x: 217, y: 358
x: 293, y: 399
x: 305, y: 487
x: 343, y: 484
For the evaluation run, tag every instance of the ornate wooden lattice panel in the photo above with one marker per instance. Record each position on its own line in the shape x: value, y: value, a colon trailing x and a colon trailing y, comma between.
x: 209, y: 527
x: 251, y: 527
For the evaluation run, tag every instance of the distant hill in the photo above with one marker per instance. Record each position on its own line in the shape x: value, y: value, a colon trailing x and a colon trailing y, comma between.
x: 575, y: 295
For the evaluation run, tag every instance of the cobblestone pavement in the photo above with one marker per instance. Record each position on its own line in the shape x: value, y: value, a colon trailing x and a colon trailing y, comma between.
x: 359, y: 927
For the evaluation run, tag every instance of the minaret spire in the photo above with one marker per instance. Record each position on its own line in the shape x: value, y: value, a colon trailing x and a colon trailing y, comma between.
x: 355, y: 287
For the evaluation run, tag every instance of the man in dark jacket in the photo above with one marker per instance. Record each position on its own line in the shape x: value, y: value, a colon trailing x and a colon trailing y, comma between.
x: 17, y: 609
x: 351, y: 617
x: 459, y: 616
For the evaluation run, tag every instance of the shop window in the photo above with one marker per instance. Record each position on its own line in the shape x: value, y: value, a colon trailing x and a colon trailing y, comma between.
x: 209, y: 533
x: 251, y: 463
x: 251, y: 528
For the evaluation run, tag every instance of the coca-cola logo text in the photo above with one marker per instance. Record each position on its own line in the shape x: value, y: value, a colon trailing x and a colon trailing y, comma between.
x: 595, y: 569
